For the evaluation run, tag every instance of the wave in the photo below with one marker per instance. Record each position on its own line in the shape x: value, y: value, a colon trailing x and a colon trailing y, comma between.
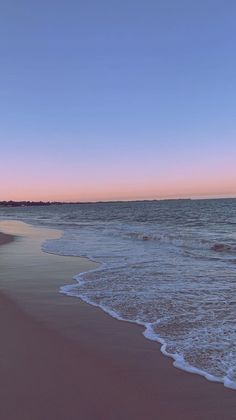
x: 220, y: 247
x: 180, y: 303
x: 149, y: 333
x: 184, y: 241
x: 143, y: 236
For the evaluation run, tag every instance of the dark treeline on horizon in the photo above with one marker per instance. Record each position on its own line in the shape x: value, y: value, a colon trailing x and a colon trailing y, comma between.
x: 12, y: 203
x: 27, y: 203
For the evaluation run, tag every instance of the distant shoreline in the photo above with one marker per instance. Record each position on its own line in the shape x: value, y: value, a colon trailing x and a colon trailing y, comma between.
x: 12, y: 203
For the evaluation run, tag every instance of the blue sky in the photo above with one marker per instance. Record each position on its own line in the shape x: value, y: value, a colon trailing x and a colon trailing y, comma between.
x: 138, y: 92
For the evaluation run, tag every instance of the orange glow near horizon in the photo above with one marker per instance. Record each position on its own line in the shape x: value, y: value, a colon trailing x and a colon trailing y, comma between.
x: 138, y: 174
x: 118, y: 191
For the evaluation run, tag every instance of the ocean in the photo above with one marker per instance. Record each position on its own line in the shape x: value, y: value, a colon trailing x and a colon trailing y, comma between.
x: 167, y: 265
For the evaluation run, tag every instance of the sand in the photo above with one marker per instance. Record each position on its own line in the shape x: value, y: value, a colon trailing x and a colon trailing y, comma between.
x: 63, y: 359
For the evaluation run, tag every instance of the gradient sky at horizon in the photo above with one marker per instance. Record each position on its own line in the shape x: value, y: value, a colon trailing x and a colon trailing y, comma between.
x: 110, y: 100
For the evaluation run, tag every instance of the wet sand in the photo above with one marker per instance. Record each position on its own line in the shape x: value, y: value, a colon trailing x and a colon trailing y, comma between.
x: 63, y: 359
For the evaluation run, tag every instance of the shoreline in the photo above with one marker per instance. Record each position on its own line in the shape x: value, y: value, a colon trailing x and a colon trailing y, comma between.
x: 147, y: 332
x: 103, y: 369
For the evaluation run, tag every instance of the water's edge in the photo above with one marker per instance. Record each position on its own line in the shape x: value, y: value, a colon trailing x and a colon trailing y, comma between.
x: 148, y: 328
x: 179, y: 361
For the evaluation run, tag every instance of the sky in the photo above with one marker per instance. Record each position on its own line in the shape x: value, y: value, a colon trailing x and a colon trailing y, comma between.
x: 117, y: 100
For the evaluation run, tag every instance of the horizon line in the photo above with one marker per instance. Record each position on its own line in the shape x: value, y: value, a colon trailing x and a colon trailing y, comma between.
x: 124, y: 200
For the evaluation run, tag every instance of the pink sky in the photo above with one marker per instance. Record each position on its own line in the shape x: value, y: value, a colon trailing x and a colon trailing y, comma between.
x: 68, y: 187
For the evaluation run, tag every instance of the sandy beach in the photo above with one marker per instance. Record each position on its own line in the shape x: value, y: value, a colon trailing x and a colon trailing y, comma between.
x: 63, y: 359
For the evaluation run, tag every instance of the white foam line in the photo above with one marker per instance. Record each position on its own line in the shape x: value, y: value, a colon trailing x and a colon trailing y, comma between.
x: 148, y: 333
x: 179, y: 361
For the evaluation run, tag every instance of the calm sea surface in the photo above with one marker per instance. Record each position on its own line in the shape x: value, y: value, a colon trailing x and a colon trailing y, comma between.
x: 168, y: 265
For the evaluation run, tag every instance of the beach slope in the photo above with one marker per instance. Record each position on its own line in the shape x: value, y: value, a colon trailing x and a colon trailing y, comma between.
x: 109, y: 372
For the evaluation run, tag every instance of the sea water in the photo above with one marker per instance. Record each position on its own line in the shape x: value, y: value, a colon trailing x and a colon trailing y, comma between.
x: 167, y: 265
